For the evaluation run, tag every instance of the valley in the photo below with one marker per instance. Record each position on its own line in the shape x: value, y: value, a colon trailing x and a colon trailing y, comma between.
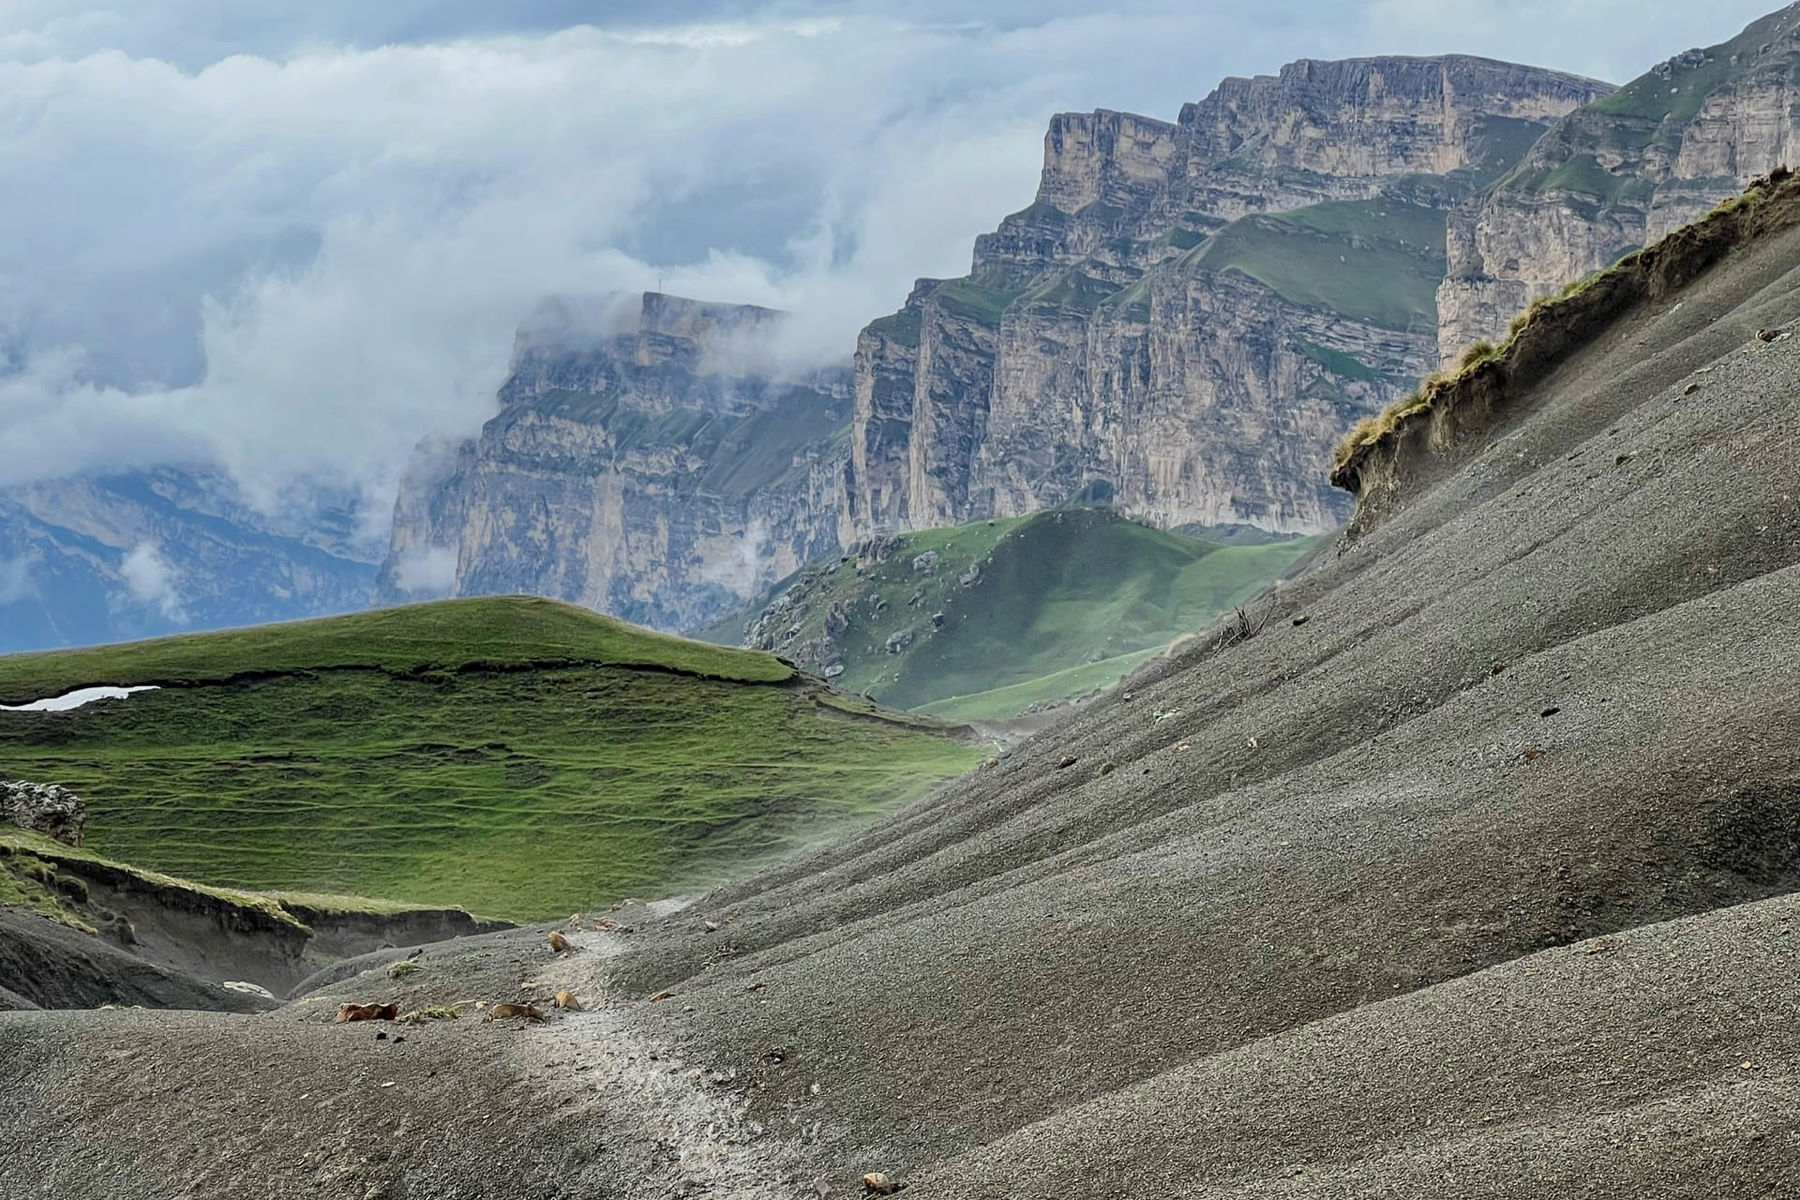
x: 988, y: 621
x: 1477, y: 854
x: 1282, y: 682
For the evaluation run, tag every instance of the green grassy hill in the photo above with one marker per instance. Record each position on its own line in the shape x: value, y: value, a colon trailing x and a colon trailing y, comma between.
x: 1010, y: 613
x: 518, y: 757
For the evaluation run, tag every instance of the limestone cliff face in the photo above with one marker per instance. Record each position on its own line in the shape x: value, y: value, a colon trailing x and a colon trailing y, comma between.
x: 1189, y: 314
x: 644, y: 462
x: 1622, y: 173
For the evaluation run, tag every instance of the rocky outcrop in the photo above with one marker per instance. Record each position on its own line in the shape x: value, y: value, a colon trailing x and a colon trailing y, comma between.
x: 1190, y: 313
x: 649, y: 460
x: 44, y: 808
x: 1622, y: 173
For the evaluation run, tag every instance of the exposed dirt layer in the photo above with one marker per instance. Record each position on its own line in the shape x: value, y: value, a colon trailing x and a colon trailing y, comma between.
x: 1466, y: 875
x: 130, y: 937
x: 50, y: 965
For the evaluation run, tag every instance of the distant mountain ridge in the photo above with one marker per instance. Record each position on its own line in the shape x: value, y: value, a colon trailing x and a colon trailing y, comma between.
x: 107, y: 557
x: 1179, y: 327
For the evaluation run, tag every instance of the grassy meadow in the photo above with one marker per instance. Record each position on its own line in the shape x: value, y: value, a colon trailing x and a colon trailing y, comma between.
x: 516, y: 757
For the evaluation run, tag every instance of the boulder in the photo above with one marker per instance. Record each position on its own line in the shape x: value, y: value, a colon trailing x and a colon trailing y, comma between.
x: 45, y: 808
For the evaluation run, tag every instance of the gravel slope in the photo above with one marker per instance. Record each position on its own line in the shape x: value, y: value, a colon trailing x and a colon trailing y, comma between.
x: 1311, y: 915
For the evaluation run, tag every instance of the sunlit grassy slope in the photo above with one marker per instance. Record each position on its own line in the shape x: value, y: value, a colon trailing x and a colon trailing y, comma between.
x: 517, y: 757
x: 1016, y: 612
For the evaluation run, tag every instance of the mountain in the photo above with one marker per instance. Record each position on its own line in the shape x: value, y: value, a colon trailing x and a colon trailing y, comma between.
x: 649, y: 460
x: 1623, y: 172
x: 518, y: 757
x: 1190, y: 313
x: 102, y: 558
x: 1179, y: 327
x: 988, y: 620
x: 1471, y: 874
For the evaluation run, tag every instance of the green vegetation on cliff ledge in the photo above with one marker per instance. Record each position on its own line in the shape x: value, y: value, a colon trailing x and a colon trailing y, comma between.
x: 517, y: 757
x: 1375, y: 260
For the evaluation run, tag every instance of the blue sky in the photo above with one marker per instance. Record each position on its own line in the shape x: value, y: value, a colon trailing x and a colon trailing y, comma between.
x: 293, y: 236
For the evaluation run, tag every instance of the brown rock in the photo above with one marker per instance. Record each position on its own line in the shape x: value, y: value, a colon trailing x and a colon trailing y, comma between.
x: 366, y: 1012
x: 558, y: 942
x: 510, y: 1012
x: 567, y: 1000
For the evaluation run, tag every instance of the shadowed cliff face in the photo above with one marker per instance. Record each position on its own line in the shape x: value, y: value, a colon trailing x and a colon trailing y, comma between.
x: 1189, y: 313
x: 1622, y: 173
x: 645, y: 462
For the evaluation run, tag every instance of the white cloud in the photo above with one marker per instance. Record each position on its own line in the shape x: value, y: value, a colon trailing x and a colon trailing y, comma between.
x: 150, y: 579
x: 15, y: 579
x: 741, y: 573
x: 427, y: 572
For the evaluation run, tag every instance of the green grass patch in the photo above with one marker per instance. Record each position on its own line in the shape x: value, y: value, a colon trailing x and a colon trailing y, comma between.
x: 967, y: 299
x: 1344, y: 366
x: 1378, y: 261
x: 1071, y: 588
x: 448, y: 635
x: 27, y: 881
x: 1069, y: 291
x: 1583, y: 174
x: 901, y: 328
x: 512, y: 791
x: 1055, y: 605
x: 999, y: 704
x: 25, y: 845
x: 1183, y: 239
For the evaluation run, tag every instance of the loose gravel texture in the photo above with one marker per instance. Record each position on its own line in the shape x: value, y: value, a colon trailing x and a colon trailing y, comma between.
x: 1473, y: 883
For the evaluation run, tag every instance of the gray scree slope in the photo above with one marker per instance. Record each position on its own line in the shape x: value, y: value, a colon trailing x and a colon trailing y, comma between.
x: 1475, y: 883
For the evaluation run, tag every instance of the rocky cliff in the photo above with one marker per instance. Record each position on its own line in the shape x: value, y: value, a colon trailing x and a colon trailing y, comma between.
x: 648, y: 460
x: 1623, y: 172
x: 1189, y: 313
x: 101, y: 558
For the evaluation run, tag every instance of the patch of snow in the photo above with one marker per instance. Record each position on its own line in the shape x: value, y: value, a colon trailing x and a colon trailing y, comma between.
x: 76, y: 699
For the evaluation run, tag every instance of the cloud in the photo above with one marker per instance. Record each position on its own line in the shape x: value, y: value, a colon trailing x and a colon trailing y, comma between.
x: 741, y: 573
x: 15, y: 579
x: 426, y: 572
x: 150, y: 580
x: 291, y: 239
